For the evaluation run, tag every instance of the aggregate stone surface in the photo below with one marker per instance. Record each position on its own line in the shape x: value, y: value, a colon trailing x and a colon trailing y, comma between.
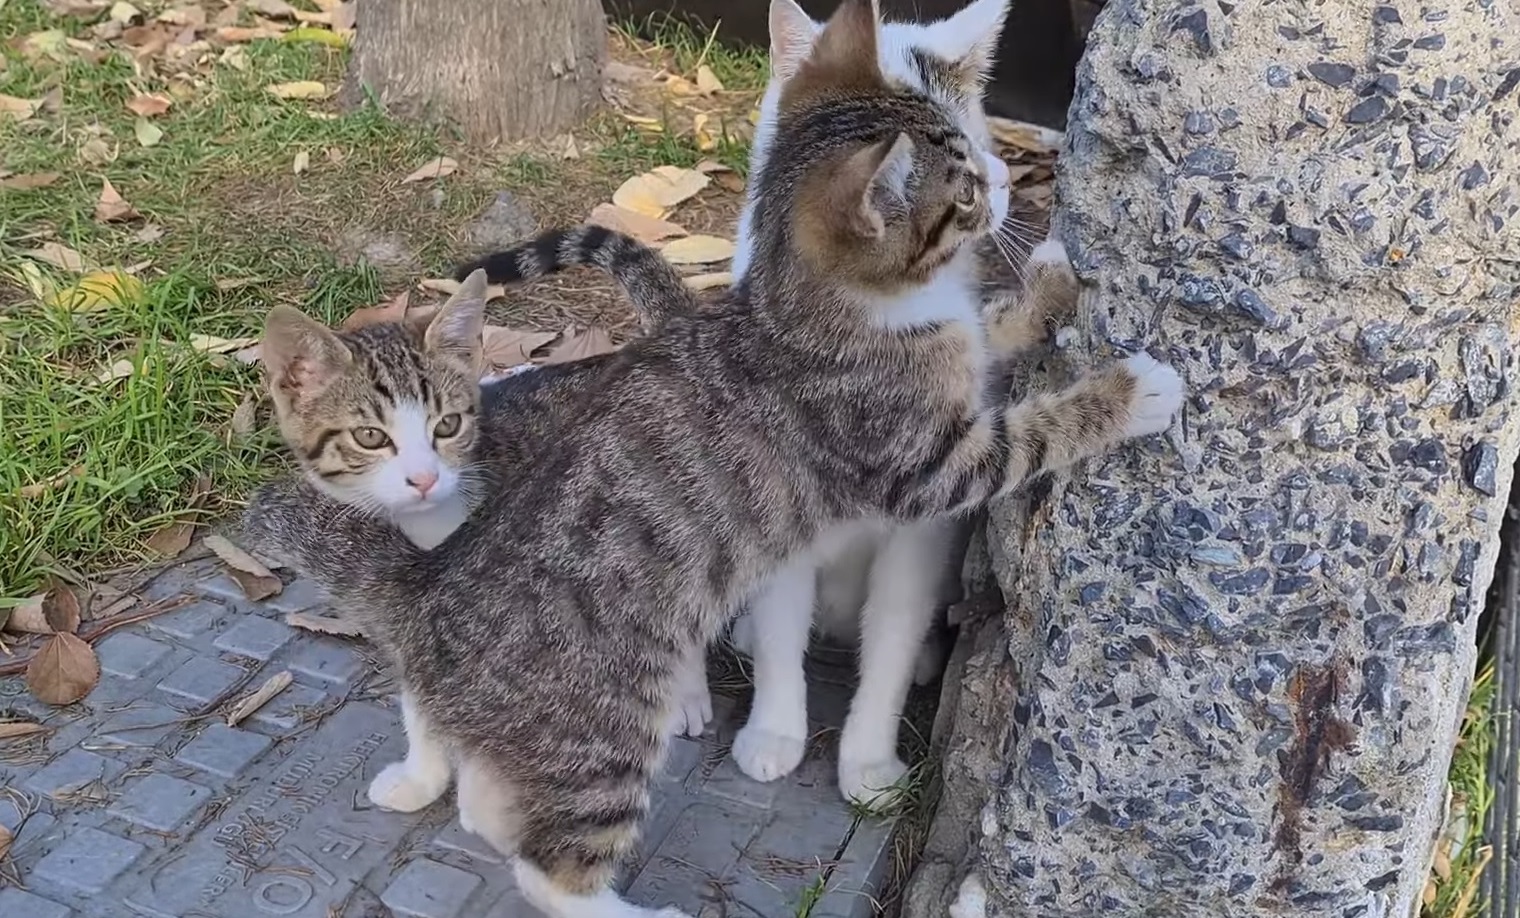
x: 142, y: 801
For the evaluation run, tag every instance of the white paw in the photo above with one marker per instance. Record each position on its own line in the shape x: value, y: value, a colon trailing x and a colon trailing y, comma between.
x: 693, y: 709
x: 466, y: 823
x: 1158, y: 395
x: 870, y: 783
x: 970, y: 900
x: 1050, y: 251
x: 766, y: 756
x: 741, y: 634
x: 397, y: 788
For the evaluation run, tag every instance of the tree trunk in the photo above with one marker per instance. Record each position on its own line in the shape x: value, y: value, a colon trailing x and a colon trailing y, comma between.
x: 1243, y: 650
x: 500, y: 69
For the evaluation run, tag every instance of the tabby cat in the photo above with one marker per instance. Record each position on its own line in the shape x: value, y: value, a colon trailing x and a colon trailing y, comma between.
x: 842, y: 383
x: 398, y: 428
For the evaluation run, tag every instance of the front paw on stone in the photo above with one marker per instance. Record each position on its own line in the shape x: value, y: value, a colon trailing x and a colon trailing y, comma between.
x: 693, y: 710
x: 873, y: 785
x: 766, y: 756
x: 397, y: 788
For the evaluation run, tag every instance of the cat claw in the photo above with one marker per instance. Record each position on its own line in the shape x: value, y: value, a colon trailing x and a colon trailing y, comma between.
x: 871, y: 784
x: 1157, y: 396
x: 397, y: 788
x: 766, y: 756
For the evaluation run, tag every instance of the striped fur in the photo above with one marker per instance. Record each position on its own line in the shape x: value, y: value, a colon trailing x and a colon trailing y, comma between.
x: 543, y: 639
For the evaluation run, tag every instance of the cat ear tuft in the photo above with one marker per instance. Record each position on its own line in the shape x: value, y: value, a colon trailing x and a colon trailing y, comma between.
x: 970, y: 38
x: 792, y: 34
x: 301, y: 355
x: 882, y: 177
x: 457, y: 328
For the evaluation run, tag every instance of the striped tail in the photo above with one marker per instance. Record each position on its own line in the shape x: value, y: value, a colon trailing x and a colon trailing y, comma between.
x: 652, y: 284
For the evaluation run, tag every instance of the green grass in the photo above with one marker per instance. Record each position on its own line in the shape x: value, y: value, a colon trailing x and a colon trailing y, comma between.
x: 738, y: 68
x: 88, y: 469
x: 1472, y: 791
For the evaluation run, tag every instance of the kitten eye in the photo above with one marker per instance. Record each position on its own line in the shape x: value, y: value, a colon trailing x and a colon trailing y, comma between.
x: 371, y: 437
x: 447, y: 426
x: 967, y: 195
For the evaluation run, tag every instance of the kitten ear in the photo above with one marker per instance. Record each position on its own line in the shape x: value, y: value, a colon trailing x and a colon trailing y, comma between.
x: 846, y: 50
x: 456, y: 329
x: 301, y: 355
x: 792, y: 34
x: 970, y: 39
x: 886, y: 172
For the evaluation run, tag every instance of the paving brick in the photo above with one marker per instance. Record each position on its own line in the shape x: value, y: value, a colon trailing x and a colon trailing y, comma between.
x: 71, y: 771
x: 328, y: 661
x: 159, y: 802
x: 428, y: 889
x: 703, y: 846
x: 859, y: 874
x: 297, y: 597
x: 87, y: 861
x: 254, y: 637
x: 191, y: 621
x: 15, y: 903
x: 453, y: 837
x: 127, y: 655
x: 140, y: 725
x: 224, y: 751
x: 220, y: 585
x: 202, y: 680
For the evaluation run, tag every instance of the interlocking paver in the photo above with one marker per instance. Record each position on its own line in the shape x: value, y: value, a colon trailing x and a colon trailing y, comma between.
x: 428, y: 889
x: 128, y: 655
x: 87, y: 861
x: 224, y: 751
x: 202, y: 680
x: 271, y: 817
x: 254, y: 637
x: 159, y: 802
x: 15, y: 903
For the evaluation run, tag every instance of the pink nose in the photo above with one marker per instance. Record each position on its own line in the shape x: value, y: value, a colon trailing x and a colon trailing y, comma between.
x: 423, y: 482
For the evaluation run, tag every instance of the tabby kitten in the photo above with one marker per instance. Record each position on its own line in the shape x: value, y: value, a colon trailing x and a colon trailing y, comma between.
x: 389, y: 421
x: 882, y: 590
x: 842, y: 383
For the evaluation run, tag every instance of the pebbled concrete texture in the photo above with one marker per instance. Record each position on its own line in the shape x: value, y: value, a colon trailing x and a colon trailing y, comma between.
x: 142, y: 801
x: 1243, y: 649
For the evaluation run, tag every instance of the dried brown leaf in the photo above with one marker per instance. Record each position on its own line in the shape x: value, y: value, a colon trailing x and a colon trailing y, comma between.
x: 61, y: 607
x: 272, y: 686
x: 172, y: 540
x: 29, y: 616
x: 58, y: 255
x: 28, y: 180
x: 17, y: 108
x: 324, y: 624
x: 275, y: 9
x: 449, y: 286
x: 16, y: 729
x: 578, y: 344
x: 244, y: 418
x: 393, y: 310
x: 149, y: 105
x: 38, y: 488
x: 432, y: 169
x: 111, y: 207
x: 235, y: 557
x: 510, y: 347
x: 640, y: 226
x: 63, y: 671
x: 345, y: 16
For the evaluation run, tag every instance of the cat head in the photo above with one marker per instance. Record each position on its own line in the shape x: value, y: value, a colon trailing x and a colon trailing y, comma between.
x: 382, y: 418
x: 889, y: 186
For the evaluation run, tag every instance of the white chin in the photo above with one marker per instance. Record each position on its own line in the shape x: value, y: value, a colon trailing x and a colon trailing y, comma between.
x: 999, y: 204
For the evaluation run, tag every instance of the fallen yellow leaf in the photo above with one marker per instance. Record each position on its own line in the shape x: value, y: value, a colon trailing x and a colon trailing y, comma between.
x: 301, y: 89
x: 302, y: 162
x: 654, y: 193
x: 698, y: 250
x: 709, y: 281
x: 432, y: 169
x: 211, y: 344
x: 39, y: 488
x: 121, y: 369
x: 640, y: 226
x: 97, y: 290
x: 124, y: 12
x: 449, y: 286
x: 315, y: 36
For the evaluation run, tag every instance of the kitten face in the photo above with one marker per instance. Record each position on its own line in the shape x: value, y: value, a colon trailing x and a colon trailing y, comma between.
x: 382, y: 418
x: 902, y: 187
